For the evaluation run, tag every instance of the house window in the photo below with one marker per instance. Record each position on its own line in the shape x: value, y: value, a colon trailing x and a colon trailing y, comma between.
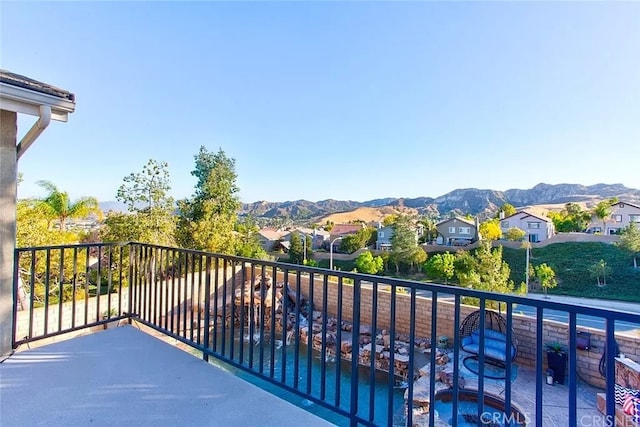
x: 634, y: 218
x: 533, y: 238
x: 617, y: 218
x: 381, y: 234
x: 533, y: 225
x: 452, y: 230
x: 464, y: 230
x: 504, y: 224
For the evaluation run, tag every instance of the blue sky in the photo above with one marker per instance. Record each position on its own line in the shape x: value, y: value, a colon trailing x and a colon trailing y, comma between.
x: 342, y: 100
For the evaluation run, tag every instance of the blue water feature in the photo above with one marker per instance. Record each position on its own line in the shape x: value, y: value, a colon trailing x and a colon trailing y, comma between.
x: 375, y: 399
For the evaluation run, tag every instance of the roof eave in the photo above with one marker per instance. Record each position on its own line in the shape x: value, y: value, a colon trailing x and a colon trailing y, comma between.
x: 26, y: 101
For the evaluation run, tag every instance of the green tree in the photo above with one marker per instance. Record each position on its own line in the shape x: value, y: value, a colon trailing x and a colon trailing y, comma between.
x: 515, y: 234
x: 429, y: 229
x: 600, y: 270
x: 578, y: 218
x: 57, y: 205
x: 403, y: 242
x: 486, y: 271
x: 207, y: 219
x: 602, y: 211
x: 296, y: 249
x: 630, y: 241
x: 151, y: 218
x: 440, y: 266
x: 358, y: 240
x: 32, y: 226
x: 249, y: 243
x: 368, y: 264
x: 546, y: 276
x: 490, y: 229
x: 508, y: 210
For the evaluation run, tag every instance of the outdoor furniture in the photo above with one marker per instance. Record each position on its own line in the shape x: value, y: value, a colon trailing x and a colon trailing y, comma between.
x: 496, y: 348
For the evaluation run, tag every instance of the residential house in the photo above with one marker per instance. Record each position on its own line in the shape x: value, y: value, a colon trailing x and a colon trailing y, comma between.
x: 341, y: 230
x: 456, y: 231
x: 385, y: 233
x: 538, y: 228
x: 622, y: 214
x: 383, y: 242
x: 319, y: 238
x: 269, y: 237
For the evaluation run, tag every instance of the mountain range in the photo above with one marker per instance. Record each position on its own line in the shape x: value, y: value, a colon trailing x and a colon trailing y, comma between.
x: 472, y: 201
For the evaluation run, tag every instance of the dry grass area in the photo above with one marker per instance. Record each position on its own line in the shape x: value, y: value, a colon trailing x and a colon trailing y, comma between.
x: 552, y: 207
x: 365, y: 214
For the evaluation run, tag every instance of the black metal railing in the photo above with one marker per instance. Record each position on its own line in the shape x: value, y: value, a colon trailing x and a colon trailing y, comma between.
x: 347, y: 343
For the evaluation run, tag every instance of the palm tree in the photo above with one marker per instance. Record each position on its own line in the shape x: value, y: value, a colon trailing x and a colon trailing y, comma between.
x: 58, y: 206
x: 602, y: 211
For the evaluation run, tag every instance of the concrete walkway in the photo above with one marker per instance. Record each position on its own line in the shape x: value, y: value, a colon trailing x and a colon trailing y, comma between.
x: 123, y: 376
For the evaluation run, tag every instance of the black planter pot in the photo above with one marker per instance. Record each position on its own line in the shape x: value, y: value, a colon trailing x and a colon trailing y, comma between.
x: 558, y: 362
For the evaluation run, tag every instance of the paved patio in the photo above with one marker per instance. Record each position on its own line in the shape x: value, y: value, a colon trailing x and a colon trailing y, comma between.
x: 123, y: 376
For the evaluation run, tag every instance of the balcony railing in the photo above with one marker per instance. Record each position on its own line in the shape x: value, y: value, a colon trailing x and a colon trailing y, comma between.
x: 350, y: 343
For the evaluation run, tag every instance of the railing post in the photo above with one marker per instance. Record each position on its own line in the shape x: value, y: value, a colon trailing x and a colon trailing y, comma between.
x: 207, y: 306
x: 16, y: 297
x: 131, y: 281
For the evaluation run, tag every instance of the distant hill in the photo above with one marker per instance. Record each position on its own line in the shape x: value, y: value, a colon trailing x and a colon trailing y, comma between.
x: 472, y: 201
x: 113, y: 206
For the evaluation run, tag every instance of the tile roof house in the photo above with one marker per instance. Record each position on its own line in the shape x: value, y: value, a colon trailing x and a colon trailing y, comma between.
x: 268, y: 238
x: 341, y: 230
x: 538, y: 228
x: 622, y: 214
x: 319, y: 237
x: 456, y: 231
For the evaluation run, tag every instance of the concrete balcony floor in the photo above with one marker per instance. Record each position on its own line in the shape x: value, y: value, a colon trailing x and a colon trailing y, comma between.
x: 124, y: 376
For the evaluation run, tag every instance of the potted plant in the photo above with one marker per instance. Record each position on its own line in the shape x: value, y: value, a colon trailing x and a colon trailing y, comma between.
x: 557, y: 360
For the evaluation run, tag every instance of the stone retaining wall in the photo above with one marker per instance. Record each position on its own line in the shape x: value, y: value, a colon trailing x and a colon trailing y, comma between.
x: 524, y: 327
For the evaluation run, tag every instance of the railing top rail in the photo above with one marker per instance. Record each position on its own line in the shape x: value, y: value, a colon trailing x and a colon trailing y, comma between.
x: 606, y: 313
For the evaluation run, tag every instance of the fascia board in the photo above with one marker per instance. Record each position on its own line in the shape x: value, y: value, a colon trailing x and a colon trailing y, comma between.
x: 25, y: 101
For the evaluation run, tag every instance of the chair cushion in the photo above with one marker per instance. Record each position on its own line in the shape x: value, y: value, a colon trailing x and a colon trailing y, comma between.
x: 495, y: 345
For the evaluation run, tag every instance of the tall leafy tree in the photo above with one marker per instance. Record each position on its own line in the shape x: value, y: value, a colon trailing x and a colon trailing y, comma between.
x: 546, y: 276
x: 403, y: 243
x: 148, y: 189
x: 57, y: 205
x: 441, y: 266
x: 151, y: 216
x: 429, y: 229
x: 208, y: 218
x: 296, y: 248
x: 630, y: 241
x: 486, y: 271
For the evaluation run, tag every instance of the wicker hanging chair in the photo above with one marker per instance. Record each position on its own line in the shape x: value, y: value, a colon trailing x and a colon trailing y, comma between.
x: 492, y: 321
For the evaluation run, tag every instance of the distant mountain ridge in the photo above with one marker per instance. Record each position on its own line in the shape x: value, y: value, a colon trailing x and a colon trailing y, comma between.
x: 472, y: 201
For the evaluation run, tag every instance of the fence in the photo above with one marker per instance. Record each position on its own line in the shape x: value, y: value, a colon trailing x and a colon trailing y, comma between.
x: 344, y: 341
